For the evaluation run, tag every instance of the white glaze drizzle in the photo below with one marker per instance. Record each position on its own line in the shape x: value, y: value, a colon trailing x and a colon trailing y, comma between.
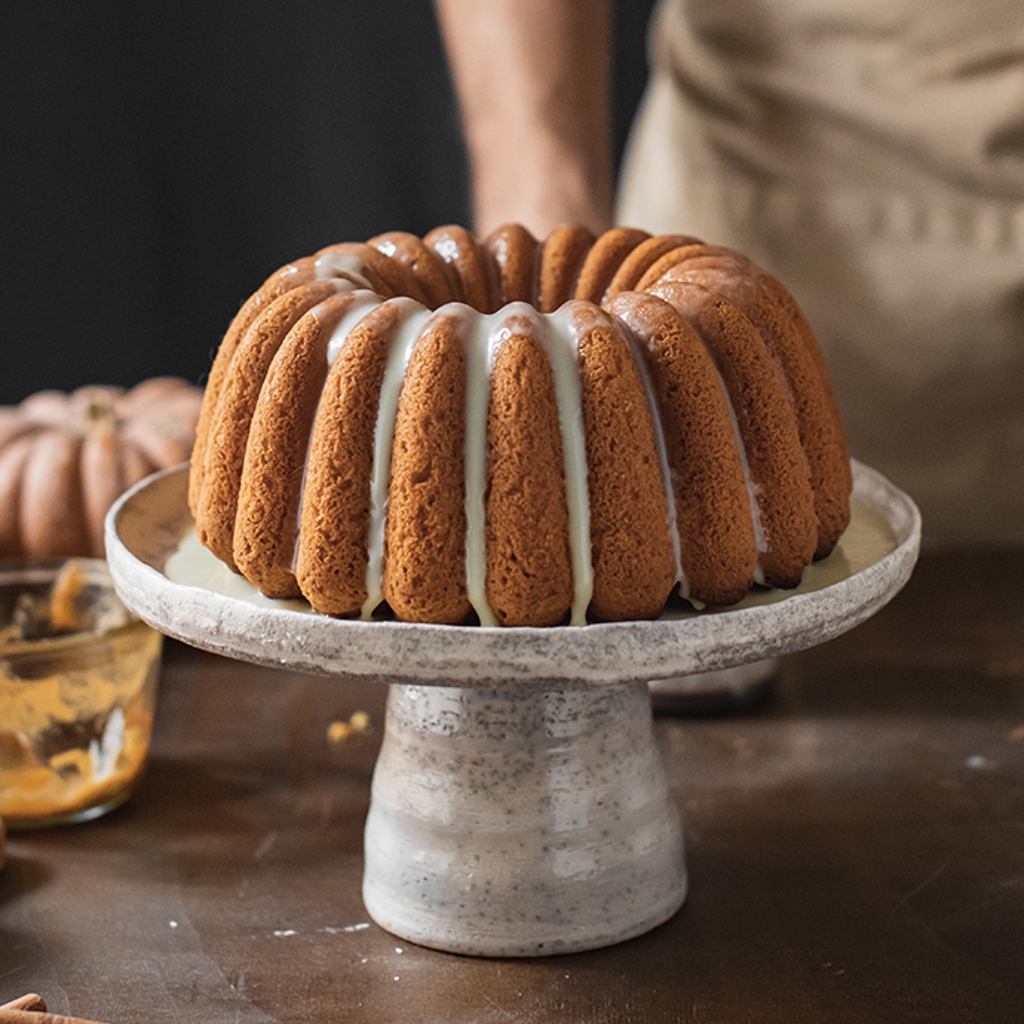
x: 561, y: 342
x: 364, y: 302
x: 329, y: 265
x: 559, y: 336
x: 480, y: 340
x: 414, y: 316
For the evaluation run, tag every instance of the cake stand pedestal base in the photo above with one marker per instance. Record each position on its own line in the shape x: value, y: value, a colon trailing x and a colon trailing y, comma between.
x: 521, y: 820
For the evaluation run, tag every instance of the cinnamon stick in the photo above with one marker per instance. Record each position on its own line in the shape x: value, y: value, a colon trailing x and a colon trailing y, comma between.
x: 32, y: 1001
x: 16, y: 1013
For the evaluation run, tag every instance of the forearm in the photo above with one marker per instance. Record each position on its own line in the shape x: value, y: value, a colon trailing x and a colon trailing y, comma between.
x: 533, y: 82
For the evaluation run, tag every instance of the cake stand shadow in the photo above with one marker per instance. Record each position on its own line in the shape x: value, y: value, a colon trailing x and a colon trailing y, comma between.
x: 519, y: 805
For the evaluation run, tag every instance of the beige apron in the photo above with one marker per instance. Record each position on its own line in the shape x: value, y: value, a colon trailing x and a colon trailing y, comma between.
x: 869, y: 153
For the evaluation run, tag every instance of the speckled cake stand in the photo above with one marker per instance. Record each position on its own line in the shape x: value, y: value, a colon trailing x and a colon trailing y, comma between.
x: 519, y: 805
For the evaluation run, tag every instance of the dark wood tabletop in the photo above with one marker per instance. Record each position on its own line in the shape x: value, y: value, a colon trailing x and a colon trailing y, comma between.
x: 855, y: 846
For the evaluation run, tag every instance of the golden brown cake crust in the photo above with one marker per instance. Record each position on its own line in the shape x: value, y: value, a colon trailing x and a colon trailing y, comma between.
x: 631, y: 547
x: 529, y: 572
x: 287, y: 277
x: 224, y: 458
x: 767, y: 426
x: 437, y: 279
x: 516, y: 254
x: 332, y: 556
x: 642, y: 258
x: 266, y: 524
x: 718, y: 549
x: 827, y: 453
x: 425, y: 548
x: 561, y: 258
x: 792, y: 344
x: 473, y: 263
x: 603, y: 261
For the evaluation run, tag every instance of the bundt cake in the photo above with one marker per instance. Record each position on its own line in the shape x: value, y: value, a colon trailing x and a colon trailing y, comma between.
x: 519, y: 433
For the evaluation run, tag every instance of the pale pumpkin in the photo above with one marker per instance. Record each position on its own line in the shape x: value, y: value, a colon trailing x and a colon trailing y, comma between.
x: 65, y: 458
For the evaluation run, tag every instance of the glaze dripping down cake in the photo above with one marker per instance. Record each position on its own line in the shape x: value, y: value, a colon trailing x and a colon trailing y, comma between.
x: 519, y: 433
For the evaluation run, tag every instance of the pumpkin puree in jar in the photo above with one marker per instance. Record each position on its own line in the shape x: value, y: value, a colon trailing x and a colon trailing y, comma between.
x: 76, y: 713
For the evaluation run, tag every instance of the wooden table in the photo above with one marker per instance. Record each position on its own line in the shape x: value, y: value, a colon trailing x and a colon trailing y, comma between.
x: 856, y: 851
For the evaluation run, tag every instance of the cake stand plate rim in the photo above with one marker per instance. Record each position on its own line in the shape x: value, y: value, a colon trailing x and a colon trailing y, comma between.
x: 147, y: 523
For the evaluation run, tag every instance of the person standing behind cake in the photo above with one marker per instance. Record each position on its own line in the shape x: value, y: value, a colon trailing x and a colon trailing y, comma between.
x: 869, y: 153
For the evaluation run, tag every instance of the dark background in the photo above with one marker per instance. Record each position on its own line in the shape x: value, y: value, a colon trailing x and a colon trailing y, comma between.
x: 159, y: 160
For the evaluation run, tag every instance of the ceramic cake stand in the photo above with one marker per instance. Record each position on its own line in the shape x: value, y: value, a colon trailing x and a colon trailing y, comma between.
x: 519, y: 804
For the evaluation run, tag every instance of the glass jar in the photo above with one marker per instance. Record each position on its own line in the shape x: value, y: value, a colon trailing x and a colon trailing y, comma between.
x: 78, y: 680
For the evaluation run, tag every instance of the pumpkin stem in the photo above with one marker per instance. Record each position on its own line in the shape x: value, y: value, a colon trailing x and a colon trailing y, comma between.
x: 100, y: 417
